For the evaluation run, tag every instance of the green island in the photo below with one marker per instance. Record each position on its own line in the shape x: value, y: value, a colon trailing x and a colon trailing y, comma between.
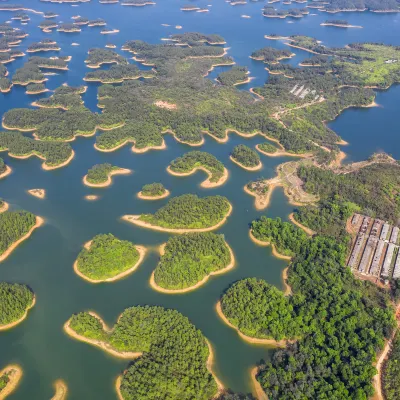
x: 153, y: 191
x: 191, y: 38
x: 3, y: 71
x: 271, y: 12
x: 97, y: 57
x: 334, y: 6
x: 237, y: 75
x: 5, y: 85
x: 267, y: 147
x: 81, y: 21
x: 69, y: 28
x: 246, y: 158
x: 137, y: 3
x: 60, y: 63
x: 29, y: 73
x: 15, y: 301
x: 187, y: 261
x: 49, y: 14
x: 194, y: 160
x: 145, y: 332
x: 118, y: 74
x: 21, y: 16
x: 36, y: 88
x: 3, y: 168
x: 100, y: 174
x: 186, y: 213
x: 47, y: 25
x: 271, y: 55
x: 259, y: 310
x: 64, y: 101
x: 43, y: 45
x: 10, y: 377
x: 97, y: 22
x: 106, y: 258
x: 15, y: 227
x: 391, y: 368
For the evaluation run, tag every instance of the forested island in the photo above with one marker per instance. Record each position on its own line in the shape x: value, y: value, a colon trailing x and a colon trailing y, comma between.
x: 186, y: 213
x: 190, y: 162
x: 36, y: 88
x: 271, y: 55
x: 15, y: 227
x: 4, y: 169
x: 69, y: 28
x: 118, y: 74
x: 339, y: 23
x: 10, y: 377
x: 106, y: 259
x: 237, y: 75
x: 187, y: 261
x: 334, y: 6
x: 44, y: 45
x: 15, y: 302
x: 271, y: 12
x: 145, y: 332
x: 100, y: 175
x: 97, y: 57
x: 246, y: 158
x: 153, y: 191
x: 137, y: 3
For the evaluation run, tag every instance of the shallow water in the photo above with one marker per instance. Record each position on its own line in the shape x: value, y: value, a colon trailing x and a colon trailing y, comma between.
x: 44, y: 262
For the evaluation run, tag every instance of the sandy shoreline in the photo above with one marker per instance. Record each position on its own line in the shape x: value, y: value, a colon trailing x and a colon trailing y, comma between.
x: 66, y: 162
x: 207, y: 183
x: 142, y: 252
x: 134, y: 219
x: 267, y: 342
x: 257, y: 388
x: 309, y: 231
x: 14, y: 379
x: 341, y: 26
x: 162, y: 196
x: 39, y: 193
x: 256, y: 168
x: 283, y: 153
x: 4, y: 207
x: 98, y: 343
x: 133, y: 149
x: 18, y: 321
x: 160, y: 289
x: 39, y: 222
x: 61, y: 389
x: 6, y: 172
x: 261, y: 202
x: 120, y: 171
x: 274, y: 250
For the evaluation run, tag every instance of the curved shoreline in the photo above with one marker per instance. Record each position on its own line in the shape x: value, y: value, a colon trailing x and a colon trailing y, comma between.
x: 341, y: 26
x: 6, y: 172
x: 198, y: 144
x: 108, y: 182
x: 39, y: 193
x: 283, y: 153
x: 265, y: 244
x: 61, y: 389
x: 258, y: 390
x: 160, y: 289
x: 261, y: 202
x: 98, y: 343
x: 4, y: 207
x: 251, y: 169
x: 142, y: 252
x: 309, y: 231
x: 288, y: 288
x: 133, y: 149
x: 134, y: 219
x: 14, y: 379
x: 161, y: 196
x: 39, y: 222
x: 63, y: 164
x: 207, y: 183
x: 249, y: 339
x: 18, y: 321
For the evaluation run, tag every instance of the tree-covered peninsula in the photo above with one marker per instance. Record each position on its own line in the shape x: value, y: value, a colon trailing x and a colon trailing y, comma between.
x: 118, y: 73
x: 97, y: 57
x: 246, y: 157
x: 188, y: 260
x: 100, y: 174
x: 9, y: 379
x: 162, y: 340
x: 194, y: 160
x: 15, y: 301
x: 106, y: 258
x: 186, y: 213
x: 237, y: 75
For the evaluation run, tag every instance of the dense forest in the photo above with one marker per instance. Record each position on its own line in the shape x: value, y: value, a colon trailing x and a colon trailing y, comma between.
x: 44, y: 45
x: 97, y: 57
x: 189, y: 258
x: 34, y: 88
x: 361, y: 5
x: 190, y: 212
x: 391, y: 371
x: 194, y: 159
x: 15, y: 299
x: 68, y: 28
x: 245, y: 156
x: 236, y: 75
x: 267, y: 147
x: 173, y: 364
x: 107, y: 257
x: 3, y: 166
x: 118, y: 73
x: 5, y: 84
x: 270, y: 54
x: 193, y: 38
x: 29, y: 73
x: 14, y: 225
x: 99, y: 173
x: 153, y: 189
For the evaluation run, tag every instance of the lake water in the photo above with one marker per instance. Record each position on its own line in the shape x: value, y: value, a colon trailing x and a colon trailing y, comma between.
x: 44, y: 262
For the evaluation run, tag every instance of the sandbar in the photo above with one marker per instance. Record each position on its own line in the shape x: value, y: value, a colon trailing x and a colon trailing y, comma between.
x: 142, y: 252
x: 309, y: 231
x: 207, y: 183
x: 161, y: 196
x: 6, y: 172
x: 288, y: 289
x: 91, y: 197
x: 39, y: 222
x: 256, y: 168
x: 210, y: 364
x: 261, y: 201
x: 160, y: 289
x: 38, y: 92
x: 341, y: 26
x: 258, y: 390
x: 61, y: 389
x: 4, y: 207
x: 39, y: 193
x: 134, y: 219
x: 120, y: 171
x: 14, y: 379
x: 18, y: 321
x: 98, y: 343
x: 267, y: 342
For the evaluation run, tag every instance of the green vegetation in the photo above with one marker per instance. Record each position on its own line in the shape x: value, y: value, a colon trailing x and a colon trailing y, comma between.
x: 269, y: 11
x: 4, y: 379
x: 361, y: 5
x: 391, y: 374
x: 15, y: 299
x: 81, y: 21
x: 107, y: 257
x: 3, y: 71
x: 99, y: 173
x: 190, y: 212
x: 270, y: 54
x: 190, y: 258
x: 34, y: 88
x: 341, y: 22
x: 97, y: 22
x: 5, y: 85
x: 194, y: 38
x: 48, y: 25
x: 245, y: 156
x: 63, y: 101
x: 44, y: 45
x: 69, y: 28
x: 13, y: 226
x: 29, y: 73
x: 153, y: 190
x: 375, y: 188
x: 49, y: 63
x: 118, y: 73
x: 49, y: 14
x: 258, y: 186
x: 171, y: 345
x: 3, y: 166
x: 260, y: 310
x: 97, y: 57
x: 195, y: 159
x: 234, y: 76
x: 267, y: 147
x: 54, y: 153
